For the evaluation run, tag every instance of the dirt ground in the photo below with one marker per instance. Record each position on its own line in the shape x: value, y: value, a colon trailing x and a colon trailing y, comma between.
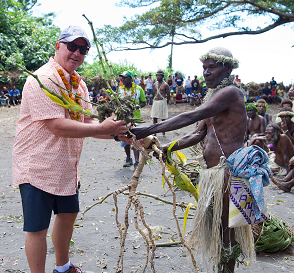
x: 96, y: 244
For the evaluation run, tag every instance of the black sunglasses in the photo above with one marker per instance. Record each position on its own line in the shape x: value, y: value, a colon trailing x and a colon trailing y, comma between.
x: 71, y: 46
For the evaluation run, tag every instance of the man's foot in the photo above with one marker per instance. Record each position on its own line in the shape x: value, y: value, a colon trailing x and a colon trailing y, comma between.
x: 136, y: 165
x: 129, y: 162
x: 280, y: 185
x: 73, y: 269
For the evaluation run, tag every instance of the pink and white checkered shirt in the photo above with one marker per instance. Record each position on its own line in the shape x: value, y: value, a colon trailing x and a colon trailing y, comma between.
x: 39, y: 157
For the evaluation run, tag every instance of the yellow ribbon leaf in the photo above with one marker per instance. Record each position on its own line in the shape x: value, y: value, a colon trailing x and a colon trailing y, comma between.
x: 181, y: 157
x: 68, y: 99
x: 55, y: 99
x: 186, y: 216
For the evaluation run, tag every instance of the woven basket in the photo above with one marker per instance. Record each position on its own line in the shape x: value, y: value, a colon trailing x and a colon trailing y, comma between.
x: 272, y: 235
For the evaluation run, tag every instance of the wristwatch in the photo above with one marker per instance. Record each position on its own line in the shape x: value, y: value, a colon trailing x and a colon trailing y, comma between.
x: 116, y: 138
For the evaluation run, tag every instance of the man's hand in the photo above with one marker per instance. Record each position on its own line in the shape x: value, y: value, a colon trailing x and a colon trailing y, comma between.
x: 284, y: 126
x: 111, y: 127
x: 164, y: 153
x: 140, y: 131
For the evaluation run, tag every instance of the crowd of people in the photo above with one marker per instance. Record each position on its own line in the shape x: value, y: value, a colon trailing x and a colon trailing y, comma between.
x: 49, y: 141
x: 11, y: 97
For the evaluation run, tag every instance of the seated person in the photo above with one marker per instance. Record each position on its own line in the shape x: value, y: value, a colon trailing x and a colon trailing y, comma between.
x: 286, y: 124
x: 255, y: 123
x: 258, y: 97
x: 283, y: 149
x: 266, y: 93
x: 274, y: 94
x: 259, y: 140
x: 94, y: 96
x: 287, y: 182
x: 149, y: 97
x: 179, y: 97
x: 4, y: 99
x: 103, y: 97
x: 172, y: 97
x: 285, y: 103
x: 184, y: 96
x: 262, y: 106
x: 14, y: 96
x: 280, y: 92
x: 195, y: 98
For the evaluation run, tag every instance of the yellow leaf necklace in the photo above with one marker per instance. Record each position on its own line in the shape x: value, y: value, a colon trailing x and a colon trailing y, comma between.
x: 132, y: 89
x: 75, y: 84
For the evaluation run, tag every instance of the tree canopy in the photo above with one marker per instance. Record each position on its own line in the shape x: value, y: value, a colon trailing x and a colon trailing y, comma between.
x: 178, y: 22
x: 24, y: 38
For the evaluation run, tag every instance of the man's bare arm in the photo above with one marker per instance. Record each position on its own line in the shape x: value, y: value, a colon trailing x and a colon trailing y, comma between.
x: 62, y: 127
x: 191, y: 138
x: 221, y: 101
x: 167, y: 91
x: 262, y: 125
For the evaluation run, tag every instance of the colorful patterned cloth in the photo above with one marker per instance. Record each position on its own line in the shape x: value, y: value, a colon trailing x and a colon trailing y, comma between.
x: 251, y: 163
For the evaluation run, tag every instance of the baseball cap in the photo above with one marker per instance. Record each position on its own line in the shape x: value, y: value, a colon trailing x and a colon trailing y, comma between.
x: 127, y: 73
x: 74, y: 32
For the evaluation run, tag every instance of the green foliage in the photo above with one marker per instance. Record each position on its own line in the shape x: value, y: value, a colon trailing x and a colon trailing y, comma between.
x: 25, y: 39
x: 184, y: 21
x: 94, y: 69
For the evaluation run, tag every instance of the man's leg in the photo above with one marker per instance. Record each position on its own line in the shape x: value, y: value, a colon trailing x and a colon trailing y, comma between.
x: 36, y: 250
x: 163, y: 133
x: 128, y: 150
x: 129, y: 161
x: 155, y: 120
x: 284, y: 186
x: 61, y: 236
x: 228, y: 233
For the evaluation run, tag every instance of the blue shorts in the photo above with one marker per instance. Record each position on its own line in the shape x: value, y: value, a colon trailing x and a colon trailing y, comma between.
x: 123, y: 144
x: 188, y: 90
x: 38, y: 205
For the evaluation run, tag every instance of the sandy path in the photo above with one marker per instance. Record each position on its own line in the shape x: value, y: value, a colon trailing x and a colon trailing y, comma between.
x: 96, y: 244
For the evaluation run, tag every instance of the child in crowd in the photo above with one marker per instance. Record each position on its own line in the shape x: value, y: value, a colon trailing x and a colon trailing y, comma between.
x: 4, y: 99
x: 258, y: 97
x: 149, y: 98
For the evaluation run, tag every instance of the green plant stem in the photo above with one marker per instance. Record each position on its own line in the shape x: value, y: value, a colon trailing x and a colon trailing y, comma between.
x: 95, y: 104
x: 44, y: 87
x: 98, y: 50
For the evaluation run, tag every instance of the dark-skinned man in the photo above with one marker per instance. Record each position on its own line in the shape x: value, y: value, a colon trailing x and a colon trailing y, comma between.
x: 255, y: 123
x: 223, y: 126
x: 287, y: 182
x: 262, y: 107
x: 286, y: 124
x: 161, y: 99
x: 129, y: 88
x: 282, y: 147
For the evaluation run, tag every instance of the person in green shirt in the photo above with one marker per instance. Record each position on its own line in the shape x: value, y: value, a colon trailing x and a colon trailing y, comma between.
x: 129, y: 88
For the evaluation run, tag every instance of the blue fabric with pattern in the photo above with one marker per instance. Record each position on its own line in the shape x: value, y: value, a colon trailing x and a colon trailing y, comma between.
x: 251, y: 163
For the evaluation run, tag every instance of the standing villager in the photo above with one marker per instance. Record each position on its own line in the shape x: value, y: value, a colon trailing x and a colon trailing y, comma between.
x: 222, y: 127
x: 161, y: 99
x: 47, y: 148
x: 129, y: 88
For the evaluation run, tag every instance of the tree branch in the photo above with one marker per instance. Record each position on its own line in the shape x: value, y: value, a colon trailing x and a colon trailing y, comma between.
x: 222, y: 35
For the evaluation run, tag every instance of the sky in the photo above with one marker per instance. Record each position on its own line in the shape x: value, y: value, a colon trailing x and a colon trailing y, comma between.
x: 261, y: 56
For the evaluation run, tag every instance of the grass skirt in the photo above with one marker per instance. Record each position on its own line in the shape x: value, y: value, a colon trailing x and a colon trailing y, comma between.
x: 206, y: 235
